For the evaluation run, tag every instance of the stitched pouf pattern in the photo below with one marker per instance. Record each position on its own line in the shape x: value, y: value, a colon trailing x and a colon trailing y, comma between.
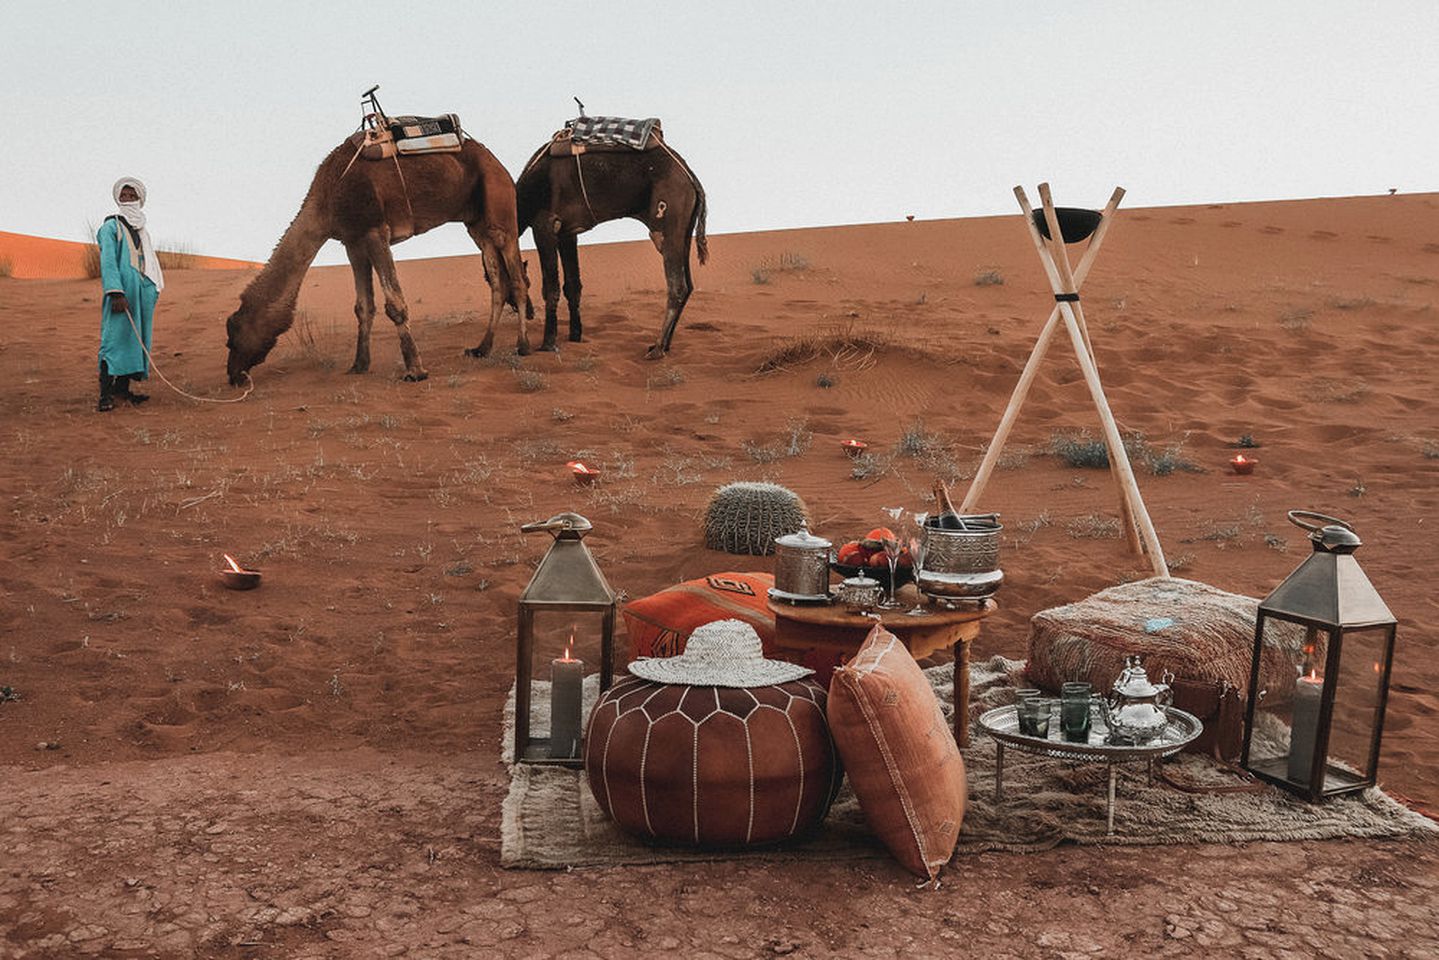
x: 712, y: 766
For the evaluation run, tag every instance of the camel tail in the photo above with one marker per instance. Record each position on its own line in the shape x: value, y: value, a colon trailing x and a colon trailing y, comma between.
x: 702, y: 246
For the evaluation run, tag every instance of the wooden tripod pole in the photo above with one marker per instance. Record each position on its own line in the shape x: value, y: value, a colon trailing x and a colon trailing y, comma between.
x: 1041, y: 345
x: 1067, y: 286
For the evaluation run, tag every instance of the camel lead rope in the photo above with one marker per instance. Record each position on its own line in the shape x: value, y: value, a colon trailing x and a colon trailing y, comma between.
x: 250, y: 384
x: 583, y: 192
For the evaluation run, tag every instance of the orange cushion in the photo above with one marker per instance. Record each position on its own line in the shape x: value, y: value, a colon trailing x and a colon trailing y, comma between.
x: 660, y: 624
x: 900, y: 755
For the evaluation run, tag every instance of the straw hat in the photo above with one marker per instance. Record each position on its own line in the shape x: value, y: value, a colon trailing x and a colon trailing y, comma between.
x: 725, y: 653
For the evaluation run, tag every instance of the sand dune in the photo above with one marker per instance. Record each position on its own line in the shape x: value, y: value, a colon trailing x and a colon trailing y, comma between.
x: 42, y: 258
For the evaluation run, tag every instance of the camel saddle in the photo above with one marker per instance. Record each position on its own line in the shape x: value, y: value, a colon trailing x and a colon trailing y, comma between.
x: 382, y: 137
x: 606, y: 135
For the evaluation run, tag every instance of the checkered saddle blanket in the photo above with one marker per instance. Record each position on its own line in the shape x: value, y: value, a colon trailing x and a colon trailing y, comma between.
x: 613, y: 131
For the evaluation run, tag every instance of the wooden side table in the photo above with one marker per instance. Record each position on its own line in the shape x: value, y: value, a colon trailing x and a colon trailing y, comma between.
x: 834, y: 628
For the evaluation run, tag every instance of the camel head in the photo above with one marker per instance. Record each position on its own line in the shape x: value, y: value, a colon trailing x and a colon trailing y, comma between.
x: 249, y: 342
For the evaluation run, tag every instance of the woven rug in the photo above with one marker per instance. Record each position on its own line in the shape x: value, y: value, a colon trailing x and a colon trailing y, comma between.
x: 550, y: 820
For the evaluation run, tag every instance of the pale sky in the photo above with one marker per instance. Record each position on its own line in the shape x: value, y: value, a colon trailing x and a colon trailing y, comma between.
x: 792, y: 114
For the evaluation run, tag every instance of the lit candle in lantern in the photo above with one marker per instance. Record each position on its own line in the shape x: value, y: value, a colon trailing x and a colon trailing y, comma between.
x: 567, y: 675
x: 1243, y: 465
x: 853, y: 447
x: 1307, y: 693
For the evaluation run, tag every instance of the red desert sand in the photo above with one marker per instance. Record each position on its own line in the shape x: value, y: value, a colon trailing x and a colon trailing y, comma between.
x: 312, y: 768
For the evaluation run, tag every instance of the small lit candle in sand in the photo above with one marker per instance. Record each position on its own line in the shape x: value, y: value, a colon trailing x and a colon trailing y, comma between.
x: 1307, y: 694
x: 1243, y: 465
x: 583, y: 473
x: 853, y: 447
x: 567, y: 676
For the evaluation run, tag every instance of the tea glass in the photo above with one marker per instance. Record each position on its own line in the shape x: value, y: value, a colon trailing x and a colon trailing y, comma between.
x: 1034, y: 716
x: 1074, y: 704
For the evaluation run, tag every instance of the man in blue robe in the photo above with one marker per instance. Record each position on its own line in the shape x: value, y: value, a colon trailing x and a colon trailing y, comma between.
x: 130, y: 272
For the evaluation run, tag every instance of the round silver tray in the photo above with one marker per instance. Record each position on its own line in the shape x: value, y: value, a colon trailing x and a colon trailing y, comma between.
x: 1002, y: 723
x: 806, y: 599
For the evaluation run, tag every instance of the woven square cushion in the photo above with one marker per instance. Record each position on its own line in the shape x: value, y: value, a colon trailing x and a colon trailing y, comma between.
x: 897, y: 747
x: 1201, y: 634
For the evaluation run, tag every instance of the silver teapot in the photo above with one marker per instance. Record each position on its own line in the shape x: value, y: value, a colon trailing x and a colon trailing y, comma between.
x: 1134, y: 711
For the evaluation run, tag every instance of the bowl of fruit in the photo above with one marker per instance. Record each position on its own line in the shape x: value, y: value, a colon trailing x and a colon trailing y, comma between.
x: 867, y: 556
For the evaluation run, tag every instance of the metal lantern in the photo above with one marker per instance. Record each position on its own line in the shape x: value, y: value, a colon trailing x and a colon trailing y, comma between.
x: 1329, y: 636
x: 566, y: 581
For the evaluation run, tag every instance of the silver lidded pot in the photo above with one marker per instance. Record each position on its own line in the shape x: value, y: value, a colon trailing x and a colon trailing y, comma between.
x: 801, y: 568
x: 860, y: 594
x: 1134, y: 711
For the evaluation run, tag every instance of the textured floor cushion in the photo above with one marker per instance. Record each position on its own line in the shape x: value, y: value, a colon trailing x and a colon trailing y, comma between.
x: 903, y: 764
x: 712, y: 766
x: 1201, y: 634
x: 659, y: 625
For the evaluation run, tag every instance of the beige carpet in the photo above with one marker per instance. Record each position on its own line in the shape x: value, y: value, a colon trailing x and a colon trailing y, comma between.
x: 551, y: 820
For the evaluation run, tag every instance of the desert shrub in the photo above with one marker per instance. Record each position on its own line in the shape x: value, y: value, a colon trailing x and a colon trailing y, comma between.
x: 531, y: 381
x: 787, y: 262
x: 7, y: 266
x: 844, y: 346
x: 1081, y: 450
x: 826, y: 380
x: 178, y: 257
x: 1296, y: 318
x: 1093, y: 527
x: 668, y: 377
x: 989, y: 278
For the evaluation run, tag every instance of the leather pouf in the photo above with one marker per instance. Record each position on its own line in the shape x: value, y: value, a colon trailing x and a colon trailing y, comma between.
x: 712, y: 766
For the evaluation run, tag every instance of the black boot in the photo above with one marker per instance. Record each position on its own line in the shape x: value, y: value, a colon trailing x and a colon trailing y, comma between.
x: 107, y: 386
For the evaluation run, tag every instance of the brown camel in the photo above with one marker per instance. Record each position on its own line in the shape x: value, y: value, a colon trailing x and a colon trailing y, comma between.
x: 368, y: 205
x: 562, y: 197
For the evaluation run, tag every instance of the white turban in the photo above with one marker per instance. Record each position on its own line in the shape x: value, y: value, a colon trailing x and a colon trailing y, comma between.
x: 133, y: 214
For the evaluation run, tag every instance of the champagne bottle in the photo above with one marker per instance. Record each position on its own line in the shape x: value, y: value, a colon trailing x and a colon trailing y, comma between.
x: 948, y: 518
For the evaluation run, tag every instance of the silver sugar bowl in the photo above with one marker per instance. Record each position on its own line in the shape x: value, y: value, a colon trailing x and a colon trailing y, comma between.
x: 860, y: 594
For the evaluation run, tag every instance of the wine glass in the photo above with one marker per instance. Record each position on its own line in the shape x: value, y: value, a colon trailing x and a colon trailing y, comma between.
x: 893, y: 547
x: 916, y: 556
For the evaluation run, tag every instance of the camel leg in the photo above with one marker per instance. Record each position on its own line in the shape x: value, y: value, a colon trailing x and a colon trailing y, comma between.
x: 675, y: 246
x: 547, y: 249
x: 395, y: 308
x: 570, y: 258
x: 364, y: 306
x: 507, y: 246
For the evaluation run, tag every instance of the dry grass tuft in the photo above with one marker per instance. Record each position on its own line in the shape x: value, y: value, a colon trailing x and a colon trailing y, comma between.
x: 530, y: 381
x: 1093, y: 527
x: 845, y: 347
x: 1296, y: 318
x: 7, y: 266
x: 787, y: 262
x: 989, y: 278
x: 178, y: 257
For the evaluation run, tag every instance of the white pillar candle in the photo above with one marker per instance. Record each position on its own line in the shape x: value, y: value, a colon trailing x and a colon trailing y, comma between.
x: 1307, y: 693
x: 566, y: 677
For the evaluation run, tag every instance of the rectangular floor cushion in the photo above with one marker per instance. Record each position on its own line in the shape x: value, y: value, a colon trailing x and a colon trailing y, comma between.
x: 659, y: 625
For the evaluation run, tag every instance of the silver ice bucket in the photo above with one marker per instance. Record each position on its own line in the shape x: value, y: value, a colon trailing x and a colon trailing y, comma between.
x: 962, y: 564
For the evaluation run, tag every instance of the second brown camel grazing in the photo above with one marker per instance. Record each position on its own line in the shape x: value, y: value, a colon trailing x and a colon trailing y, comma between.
x: 562, y: 197
x: 368, y: 205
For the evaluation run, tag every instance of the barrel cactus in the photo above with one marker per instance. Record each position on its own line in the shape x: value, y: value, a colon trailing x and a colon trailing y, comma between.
x: 746, y: 517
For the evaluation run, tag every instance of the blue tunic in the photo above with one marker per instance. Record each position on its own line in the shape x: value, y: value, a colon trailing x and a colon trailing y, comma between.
x: 121, y: 271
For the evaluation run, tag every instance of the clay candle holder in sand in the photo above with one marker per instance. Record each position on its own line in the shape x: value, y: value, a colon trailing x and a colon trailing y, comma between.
x: 853, y: 447
x: 583, y: 475
x: 1243, y: 465
x: 237, y: 578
